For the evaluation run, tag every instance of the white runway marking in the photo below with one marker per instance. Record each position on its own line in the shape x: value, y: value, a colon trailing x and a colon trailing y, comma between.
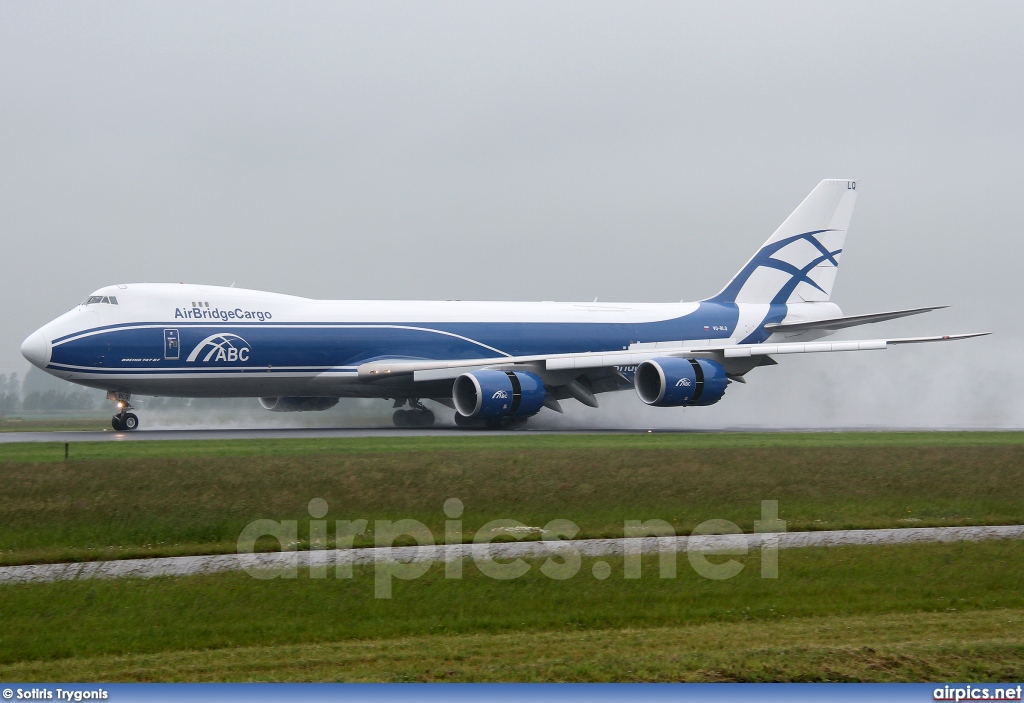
x: 190, y: 566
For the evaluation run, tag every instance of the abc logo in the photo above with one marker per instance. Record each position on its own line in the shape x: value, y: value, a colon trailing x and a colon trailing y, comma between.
x: 222, y: 346
x: 232, y: 354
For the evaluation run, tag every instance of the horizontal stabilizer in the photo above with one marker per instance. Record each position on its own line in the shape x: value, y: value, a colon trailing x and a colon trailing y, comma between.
x: 839, y: 323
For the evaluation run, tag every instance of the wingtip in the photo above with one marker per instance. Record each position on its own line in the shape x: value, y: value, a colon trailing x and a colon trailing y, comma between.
x: 938, y: 338
x: 966, y: 335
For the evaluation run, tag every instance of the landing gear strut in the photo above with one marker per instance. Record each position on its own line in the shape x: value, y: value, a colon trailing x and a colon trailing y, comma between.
x: 123, y: 420
x: 418, y: 415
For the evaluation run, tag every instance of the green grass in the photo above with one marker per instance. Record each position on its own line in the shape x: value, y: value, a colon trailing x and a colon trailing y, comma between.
x: 115, y: 500
x: 128, y: 449
x: 905, y: 647
x: 882, y: 613
x: 902, y: 612
x: 75, y: 422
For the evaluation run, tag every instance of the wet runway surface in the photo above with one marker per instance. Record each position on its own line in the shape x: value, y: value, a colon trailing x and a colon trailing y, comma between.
x: 289, y: 433
x: 143, y: 435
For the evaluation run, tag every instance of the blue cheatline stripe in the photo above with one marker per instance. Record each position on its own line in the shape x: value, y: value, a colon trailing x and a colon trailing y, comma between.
x: 174, y: 324
x: 302, y: 325
x: 223, y: 370
x: 141, y: 347
x: 701, y: 314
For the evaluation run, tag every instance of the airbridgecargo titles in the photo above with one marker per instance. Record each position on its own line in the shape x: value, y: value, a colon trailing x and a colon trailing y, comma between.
x: 197, y: 313
x: 496, y: 364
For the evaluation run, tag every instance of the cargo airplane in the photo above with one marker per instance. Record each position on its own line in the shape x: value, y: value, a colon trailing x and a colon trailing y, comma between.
x: 495, y: 363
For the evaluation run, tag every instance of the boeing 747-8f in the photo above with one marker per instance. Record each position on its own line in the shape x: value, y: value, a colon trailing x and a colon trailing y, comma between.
x: 495, y: 363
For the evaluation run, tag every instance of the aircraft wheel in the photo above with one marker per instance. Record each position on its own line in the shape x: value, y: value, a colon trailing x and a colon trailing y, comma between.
x: 419, y: 417
x: 131, y: 422
x: 115, y: 422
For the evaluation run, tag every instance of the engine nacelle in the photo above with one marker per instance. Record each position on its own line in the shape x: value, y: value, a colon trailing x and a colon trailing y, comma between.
x: 671, y: 382
x: 294, y: 404
x: 492, y: 394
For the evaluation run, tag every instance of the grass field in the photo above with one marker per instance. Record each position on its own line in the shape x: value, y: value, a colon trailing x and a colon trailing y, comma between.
x: 909, y: 612
x: 78, y: 422
x: 973, y: 646
x: 879, y: 613
x: 113, y: 500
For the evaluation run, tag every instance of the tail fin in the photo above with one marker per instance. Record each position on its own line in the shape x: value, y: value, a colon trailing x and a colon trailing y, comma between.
x: 800, y: 261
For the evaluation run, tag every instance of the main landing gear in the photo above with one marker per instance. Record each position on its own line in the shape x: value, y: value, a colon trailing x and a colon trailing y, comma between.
x: 123, y: 420
x: 417, y: 416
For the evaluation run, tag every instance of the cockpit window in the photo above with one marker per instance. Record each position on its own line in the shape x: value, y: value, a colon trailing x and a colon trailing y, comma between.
x: 113, y: 300
x: 93, y: 299
x: 105, y: 299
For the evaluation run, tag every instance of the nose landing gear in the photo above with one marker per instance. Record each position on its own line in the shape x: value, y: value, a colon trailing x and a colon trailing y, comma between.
x: 417, y: 416
x: 123, y: 420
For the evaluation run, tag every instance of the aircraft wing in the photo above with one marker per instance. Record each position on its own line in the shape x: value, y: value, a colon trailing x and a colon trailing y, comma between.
x: 586, y: 361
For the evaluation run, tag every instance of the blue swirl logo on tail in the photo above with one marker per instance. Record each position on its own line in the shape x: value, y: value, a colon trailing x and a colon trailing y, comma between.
x: 798, y: 273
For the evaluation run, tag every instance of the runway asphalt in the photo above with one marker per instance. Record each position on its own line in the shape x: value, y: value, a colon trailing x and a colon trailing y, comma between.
x: 504, y: 551
x: 290, y: 433
x: 143, y: 435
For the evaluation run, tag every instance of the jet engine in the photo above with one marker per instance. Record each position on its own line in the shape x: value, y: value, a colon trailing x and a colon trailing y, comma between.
x: 671, y: 382
x: 490, y: 394
x: 294, y: 404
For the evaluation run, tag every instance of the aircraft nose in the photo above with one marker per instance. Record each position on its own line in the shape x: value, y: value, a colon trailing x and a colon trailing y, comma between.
x: 36, y: 349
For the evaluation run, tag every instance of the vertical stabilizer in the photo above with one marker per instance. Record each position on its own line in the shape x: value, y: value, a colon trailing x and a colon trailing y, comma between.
x: 799, y: 262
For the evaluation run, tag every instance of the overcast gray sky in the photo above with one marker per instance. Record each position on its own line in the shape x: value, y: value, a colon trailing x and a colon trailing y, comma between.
x: 526, y: 150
